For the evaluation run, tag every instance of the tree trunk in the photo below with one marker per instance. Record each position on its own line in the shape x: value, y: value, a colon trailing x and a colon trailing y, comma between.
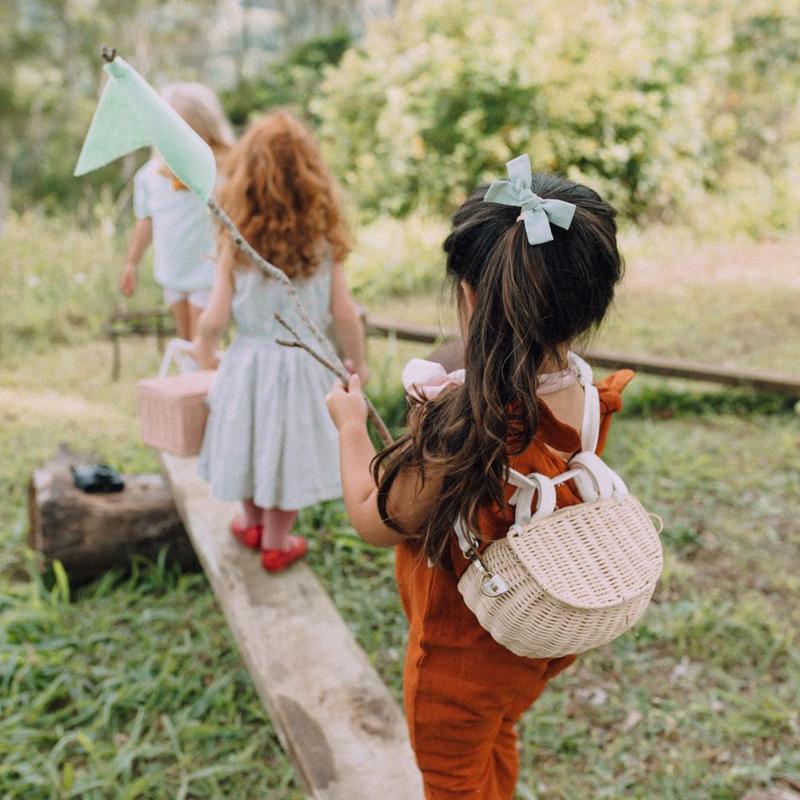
x: 92, y: 533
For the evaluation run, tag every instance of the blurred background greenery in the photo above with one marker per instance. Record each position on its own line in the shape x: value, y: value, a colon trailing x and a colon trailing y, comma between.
x: 663, y: 105
x: 685, y: 115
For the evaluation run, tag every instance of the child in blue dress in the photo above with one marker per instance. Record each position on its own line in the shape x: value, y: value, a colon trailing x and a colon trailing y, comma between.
x: 269, y: 441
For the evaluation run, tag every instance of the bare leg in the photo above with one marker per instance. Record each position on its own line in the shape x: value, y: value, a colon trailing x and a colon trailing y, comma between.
x: 180, y: 311
x: 252, y: 512
x: 277, y: 526
x: 194, y: 315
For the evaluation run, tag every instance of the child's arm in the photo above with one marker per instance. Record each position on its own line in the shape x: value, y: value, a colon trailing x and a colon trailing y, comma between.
x: 347, y: 323
x: 140, y: 240
x: 214, y: 318
x: 410, y: 500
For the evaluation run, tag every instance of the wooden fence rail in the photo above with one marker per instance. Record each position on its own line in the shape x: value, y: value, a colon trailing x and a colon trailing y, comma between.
x: 760, y: 380
x: 159, y: 323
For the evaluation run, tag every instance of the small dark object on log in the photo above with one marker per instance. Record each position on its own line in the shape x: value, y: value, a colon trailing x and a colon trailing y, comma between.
x: 93, y: 533
x: 97, y: 479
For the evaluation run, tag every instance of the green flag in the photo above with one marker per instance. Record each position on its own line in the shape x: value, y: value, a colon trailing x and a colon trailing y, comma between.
x: 130, y: 115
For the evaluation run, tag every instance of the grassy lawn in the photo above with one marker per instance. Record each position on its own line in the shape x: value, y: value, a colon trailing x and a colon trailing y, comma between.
x: 131, y: 687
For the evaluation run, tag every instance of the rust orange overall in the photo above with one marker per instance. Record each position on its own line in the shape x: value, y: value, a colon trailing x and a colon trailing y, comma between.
x: 463, y: 692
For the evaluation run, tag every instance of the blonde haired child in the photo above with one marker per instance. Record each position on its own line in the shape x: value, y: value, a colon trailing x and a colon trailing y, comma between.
x: 269, y: 441
x: 174, y: 219
x: 527, y: 289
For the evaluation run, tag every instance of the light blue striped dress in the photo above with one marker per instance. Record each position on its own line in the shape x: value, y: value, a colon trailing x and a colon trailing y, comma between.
x: 269, y: 435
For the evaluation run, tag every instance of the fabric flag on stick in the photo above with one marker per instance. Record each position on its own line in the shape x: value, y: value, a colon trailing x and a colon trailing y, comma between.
x: 130, y: 115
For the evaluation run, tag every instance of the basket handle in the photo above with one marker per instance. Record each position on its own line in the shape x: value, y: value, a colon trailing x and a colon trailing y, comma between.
x: 526, y: 486
x: 171, y: 351
x: 594, y: 479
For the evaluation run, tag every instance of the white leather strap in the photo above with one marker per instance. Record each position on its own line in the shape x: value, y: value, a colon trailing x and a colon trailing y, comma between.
x: 590, y: 426
x: 174, y: 348
x: 466, y: 541
x: 593, y: 479
x: 171, y: 351
x: 522, y: 499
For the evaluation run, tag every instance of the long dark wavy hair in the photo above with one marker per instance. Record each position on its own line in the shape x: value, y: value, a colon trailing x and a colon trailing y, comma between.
x: 531, y: 300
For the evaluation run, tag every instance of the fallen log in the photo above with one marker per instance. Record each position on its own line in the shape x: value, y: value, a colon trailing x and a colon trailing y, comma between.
x: 92, y: 533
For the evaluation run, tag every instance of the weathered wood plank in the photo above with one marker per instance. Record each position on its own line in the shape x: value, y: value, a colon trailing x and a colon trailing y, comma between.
x: 335, y: 717
x: 425, y: 334
x: 760, y: 380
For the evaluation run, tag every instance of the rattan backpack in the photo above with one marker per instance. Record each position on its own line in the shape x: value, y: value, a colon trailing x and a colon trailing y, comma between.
x: 568, y: 580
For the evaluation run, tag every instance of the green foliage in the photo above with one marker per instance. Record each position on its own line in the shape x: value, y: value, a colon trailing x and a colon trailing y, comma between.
x: 50, y: 73
x: 654, y: 104
x: 292, y: 81
x: 397, y: 258
x: 663, y: 402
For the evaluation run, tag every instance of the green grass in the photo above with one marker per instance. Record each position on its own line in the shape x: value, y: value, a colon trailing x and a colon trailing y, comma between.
x: 131, y: 687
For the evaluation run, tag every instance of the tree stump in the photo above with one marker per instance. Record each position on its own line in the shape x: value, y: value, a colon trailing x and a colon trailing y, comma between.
x: 92, y: 533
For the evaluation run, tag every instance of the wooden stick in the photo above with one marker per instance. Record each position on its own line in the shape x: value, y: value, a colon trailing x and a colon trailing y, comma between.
x: 331, y: 360
x: 341, y: 374
x: 313, y: 353
x: 275, y: 273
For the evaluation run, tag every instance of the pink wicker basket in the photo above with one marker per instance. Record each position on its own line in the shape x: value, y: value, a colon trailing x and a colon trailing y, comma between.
x: 172, y: 408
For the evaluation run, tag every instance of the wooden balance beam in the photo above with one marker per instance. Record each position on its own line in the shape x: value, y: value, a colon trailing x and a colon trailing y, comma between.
x: 334, y: 716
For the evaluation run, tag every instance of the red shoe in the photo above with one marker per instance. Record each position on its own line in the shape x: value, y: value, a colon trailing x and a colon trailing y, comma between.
x: 248, y: 535
x: 279, y: 560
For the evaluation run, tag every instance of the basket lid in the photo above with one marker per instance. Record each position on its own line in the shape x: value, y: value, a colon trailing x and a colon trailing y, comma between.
x: 185, y: 384
x: 592, y: 555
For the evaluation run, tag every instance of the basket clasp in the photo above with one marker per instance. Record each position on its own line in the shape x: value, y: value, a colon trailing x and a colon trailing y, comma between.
x: 494, y: 585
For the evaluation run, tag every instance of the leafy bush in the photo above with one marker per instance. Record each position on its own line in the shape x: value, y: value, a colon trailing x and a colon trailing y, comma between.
x: 651, y: 103
x: 292, y: 81
x: 395, y: 258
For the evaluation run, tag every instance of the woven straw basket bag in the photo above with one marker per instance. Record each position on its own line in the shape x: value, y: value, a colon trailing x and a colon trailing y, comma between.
x: 565, y: 581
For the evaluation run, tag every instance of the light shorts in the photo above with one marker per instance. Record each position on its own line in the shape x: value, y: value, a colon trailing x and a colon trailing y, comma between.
x: 197, y: 299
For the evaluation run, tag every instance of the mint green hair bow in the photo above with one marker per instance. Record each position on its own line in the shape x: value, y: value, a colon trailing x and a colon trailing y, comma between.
x: 536, y: 212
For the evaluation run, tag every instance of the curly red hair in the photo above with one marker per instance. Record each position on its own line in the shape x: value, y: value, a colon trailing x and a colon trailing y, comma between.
x: 279, y: 193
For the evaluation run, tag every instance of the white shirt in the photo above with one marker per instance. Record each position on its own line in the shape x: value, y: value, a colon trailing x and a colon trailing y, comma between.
x: 183, y: 234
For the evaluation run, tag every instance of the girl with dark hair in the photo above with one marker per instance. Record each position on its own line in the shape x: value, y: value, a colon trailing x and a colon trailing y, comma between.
x: 535, y: 263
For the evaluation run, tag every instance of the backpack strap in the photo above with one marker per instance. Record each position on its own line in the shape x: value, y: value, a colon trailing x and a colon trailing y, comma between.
x: 590, y: 426
x: 594, y: 480
x: 467, y: 542
x: 522, y: 499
